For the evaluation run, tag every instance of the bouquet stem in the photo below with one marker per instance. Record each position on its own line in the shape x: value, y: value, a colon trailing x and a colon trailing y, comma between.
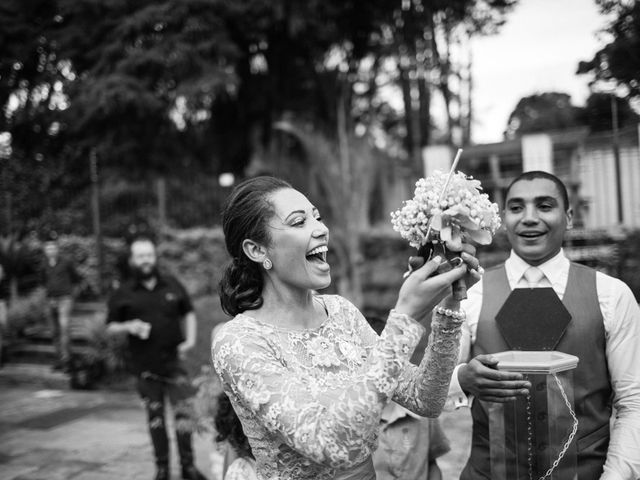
x: 430, y: 250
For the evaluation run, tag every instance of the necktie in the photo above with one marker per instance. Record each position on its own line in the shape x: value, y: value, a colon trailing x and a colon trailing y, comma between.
x: 533, y: 275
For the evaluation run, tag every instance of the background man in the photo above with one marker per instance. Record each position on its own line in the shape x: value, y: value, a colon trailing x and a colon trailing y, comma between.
x: 60, y: 280
x: 604, y: 333
x: 155, y: 310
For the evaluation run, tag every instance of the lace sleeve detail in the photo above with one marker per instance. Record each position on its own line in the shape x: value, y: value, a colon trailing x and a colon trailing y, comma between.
x: 254, y: 373
x: 424, y: 389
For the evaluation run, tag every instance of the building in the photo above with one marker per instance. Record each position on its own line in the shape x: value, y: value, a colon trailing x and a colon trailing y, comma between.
x: 605, y: 192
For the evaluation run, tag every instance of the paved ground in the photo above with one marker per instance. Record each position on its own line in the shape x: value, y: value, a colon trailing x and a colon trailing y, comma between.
x: 59, y: 434
x: 50, y: 432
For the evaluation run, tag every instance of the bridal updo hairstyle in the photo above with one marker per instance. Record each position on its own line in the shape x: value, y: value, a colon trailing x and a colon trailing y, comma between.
x: 246, y: 213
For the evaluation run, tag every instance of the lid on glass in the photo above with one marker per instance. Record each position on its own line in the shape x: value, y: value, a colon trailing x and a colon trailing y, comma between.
x: 535, y: 361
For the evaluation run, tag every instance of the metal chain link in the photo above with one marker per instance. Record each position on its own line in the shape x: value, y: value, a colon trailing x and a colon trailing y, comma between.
x: 529, y: 437
x: 574, y: 429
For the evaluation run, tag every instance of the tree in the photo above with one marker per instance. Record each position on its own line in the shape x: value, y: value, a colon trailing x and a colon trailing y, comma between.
x: 554, y: 111
x: 132, y: 82
x: 598, y: 112
x: 619, y: 61
x: 543, y: 112
x: 159, y: 87
x: 146, y: 73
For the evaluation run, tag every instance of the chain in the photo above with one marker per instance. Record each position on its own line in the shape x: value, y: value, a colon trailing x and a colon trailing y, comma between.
x: 529, y: 438
x: 574, y: 429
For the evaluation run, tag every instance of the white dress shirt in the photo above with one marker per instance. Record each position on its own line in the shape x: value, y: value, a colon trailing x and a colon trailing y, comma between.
x: 621, y: 317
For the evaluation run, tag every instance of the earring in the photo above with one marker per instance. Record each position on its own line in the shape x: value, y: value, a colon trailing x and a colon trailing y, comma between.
x: 267, y: 264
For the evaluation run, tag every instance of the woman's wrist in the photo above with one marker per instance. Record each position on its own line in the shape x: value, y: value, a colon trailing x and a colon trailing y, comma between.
x: 450, y: 303
x: 453, y: 313
x: 447, y: 320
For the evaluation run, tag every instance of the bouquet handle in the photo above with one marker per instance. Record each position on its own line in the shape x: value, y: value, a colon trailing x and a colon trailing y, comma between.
x: 429, y: 250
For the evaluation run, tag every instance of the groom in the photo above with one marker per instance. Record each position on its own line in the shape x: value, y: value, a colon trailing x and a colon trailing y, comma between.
x: 603, y: 332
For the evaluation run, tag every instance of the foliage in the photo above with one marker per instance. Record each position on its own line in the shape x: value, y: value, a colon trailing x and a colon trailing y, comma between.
x: 205, y: 402
x: 20, y: 259
x: 543, y: 112
x: 619, y: 61
x: 165, y: 87
x: 197, y: 257
x: 26, y: 311
x: 598, y: 112
x: 554, y: 111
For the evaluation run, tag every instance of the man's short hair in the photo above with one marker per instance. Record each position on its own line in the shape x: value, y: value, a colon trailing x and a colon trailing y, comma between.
x: 533, y: 174
x: 140, y: 237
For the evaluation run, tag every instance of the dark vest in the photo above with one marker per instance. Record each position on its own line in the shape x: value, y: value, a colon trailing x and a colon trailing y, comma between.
x: 584, y: 338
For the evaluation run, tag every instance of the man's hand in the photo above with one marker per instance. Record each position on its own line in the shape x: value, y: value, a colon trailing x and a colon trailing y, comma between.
x: 138, y: 328
x: 481, y: 379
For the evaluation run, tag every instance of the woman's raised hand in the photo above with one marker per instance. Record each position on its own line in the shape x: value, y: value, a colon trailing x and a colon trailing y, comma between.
x: 422, y: 290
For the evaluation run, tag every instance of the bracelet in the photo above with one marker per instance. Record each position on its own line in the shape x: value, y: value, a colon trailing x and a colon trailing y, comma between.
x: 447, y: 312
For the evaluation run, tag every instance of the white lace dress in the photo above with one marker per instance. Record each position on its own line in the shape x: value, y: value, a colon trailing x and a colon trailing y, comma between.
x: 310, y: 400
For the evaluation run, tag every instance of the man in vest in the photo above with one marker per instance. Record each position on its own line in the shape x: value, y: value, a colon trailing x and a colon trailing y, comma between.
x: 604, y: 333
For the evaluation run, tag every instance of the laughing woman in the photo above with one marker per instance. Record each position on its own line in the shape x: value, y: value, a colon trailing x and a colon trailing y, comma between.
x: 306, y: 374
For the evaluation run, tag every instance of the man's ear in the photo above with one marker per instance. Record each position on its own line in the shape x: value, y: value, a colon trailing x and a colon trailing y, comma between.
x: 254, y: 251
x: 569, y: 214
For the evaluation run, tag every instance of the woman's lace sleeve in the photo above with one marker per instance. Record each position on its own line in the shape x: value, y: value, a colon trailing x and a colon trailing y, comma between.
x: 333, y: 433
x: 423, y: 389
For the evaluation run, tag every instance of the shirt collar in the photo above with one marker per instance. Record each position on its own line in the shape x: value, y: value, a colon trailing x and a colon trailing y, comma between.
x: 554, y: 269
x: 137, y: 284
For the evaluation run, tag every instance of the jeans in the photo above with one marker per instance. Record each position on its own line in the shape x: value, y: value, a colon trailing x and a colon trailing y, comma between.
x: 59, y: 313
x: 176, y: 387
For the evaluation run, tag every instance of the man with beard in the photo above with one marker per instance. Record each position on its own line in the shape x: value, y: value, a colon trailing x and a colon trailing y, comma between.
x: 154, y: 310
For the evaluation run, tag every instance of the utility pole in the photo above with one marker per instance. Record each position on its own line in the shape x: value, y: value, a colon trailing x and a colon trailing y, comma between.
x: 616, y: 155
x: 161, y: 194
x: 95, y: 210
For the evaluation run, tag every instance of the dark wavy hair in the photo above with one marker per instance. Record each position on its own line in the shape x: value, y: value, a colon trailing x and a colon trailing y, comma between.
x: 229, y: 428
x: 246, y: 213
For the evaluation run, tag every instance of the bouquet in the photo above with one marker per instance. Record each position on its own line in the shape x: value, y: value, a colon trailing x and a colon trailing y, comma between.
x: 446, y: 210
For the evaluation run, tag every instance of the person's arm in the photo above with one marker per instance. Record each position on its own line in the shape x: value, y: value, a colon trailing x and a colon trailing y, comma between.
x: 135, y: 327
x: 190, y: 331
x: 434, y: 471
x: 189, y: 321
x: 478, y: 377
x: 335, y: 433
x: 117, y: 324
x: 423, y: 389
x: 622, y: 326
x: 77, y: 281
x: 74, y: 275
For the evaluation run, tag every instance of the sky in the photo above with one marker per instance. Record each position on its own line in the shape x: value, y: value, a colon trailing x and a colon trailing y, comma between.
x: 536, y: 51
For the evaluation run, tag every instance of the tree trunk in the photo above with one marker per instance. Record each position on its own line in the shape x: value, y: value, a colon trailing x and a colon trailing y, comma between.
x: 350, y: 201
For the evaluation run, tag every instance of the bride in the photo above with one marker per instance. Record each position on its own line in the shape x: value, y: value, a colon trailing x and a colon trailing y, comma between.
x: 305, y: 373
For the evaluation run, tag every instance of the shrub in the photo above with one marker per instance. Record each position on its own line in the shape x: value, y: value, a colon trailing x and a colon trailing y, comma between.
x: 26, y: 311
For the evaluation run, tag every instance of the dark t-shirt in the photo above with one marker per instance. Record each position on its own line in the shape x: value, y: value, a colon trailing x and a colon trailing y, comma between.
x: 60, y: 278
x: 164, y: 307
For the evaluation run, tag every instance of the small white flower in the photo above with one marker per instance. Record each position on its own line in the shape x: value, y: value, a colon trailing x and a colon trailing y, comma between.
x: 465, y: 213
